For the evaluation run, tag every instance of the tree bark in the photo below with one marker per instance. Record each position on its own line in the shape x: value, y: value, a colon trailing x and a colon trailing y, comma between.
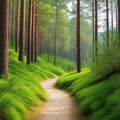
x: 78, y: 38
x: 12, y: 23
x: 96, y: 32
x: 33, y: 32
x: 55, y: 44
x: 4, y: 37
x: 29, y: 32
x: 112, y: 20
x: 48, y: 49
x: 107, y: 22
x: 119, y: 19
x: 17, y: 26
x: 36, y: 45
x: 62, y: 48
x: 93, y: 29
x: 22, y: 31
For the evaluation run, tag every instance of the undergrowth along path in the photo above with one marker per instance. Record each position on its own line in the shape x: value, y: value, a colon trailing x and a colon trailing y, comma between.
x: 59, y: 106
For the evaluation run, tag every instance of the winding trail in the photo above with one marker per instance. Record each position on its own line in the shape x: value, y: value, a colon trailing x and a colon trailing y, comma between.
x: 60, y: 105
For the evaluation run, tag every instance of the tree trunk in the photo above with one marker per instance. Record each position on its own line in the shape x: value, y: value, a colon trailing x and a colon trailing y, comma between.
x: 93, y: 29
x: 112, y: 20
x: 36, y: 45
x: 33, y: 32
x: 48, y: 49
x: 107, y: 22
x: 96, y: 33
x: 22, y: 31
x: 12, y: 23
x: 4, y: 37
x: 29, y: 32
x: 78, y: 38
x: 119, y: 19
x: 17, y: 26
x: 40, y: 43
x: 62, y: 48
x: 55, y: 46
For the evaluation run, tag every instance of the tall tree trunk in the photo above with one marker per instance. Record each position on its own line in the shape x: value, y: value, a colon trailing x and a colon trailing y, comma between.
x: 112, y: 20
x: 17, y: 26
x: 78, y: 38
x: 36, y: 44
x: 107, y: 22
x: 29, y: 32
x: 48, y: 49
x: 62, y: 48
x: 40, y: 43
x: 119, y: 19
x: 33, y: 32
x: 55, y: 46
x: 96, y: 32
x: 12, y: 23
x: 22, y: 31
x: 93, y: 29
x: 4, y: 37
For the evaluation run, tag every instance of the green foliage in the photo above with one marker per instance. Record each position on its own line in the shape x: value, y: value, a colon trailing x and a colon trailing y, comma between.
x: 97, y: 95
x: 22, y: 90
x: 61, y: 63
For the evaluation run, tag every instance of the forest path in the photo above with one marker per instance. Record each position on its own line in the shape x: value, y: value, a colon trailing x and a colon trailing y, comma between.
x: 60, y: 105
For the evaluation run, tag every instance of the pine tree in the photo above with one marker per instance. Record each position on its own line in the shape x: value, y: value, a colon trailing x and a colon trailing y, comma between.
x: 22, y: 31
x: 4, y: 37
x: 78, y: 37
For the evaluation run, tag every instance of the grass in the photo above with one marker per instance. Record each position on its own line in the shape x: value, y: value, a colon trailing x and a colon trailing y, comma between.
x: 22, y: 90
x: 97, y: 96
x: 60, y: 62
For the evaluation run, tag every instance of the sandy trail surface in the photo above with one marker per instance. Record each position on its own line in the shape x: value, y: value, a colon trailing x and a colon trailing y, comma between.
x: 59, y: 106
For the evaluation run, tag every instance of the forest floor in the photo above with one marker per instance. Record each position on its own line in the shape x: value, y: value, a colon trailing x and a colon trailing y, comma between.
x: 59, y: 106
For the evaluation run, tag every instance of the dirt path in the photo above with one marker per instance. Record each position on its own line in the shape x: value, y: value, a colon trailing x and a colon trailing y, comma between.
x: 60, y: 105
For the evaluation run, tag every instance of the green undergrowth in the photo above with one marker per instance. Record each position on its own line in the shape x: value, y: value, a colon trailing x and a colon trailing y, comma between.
x: 98, y: 96
x: 60, y: 62
x: 22, y: 90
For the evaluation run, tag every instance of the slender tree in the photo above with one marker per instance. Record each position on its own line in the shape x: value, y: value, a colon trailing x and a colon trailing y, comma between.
x: 112, y: 19
x: 96, y: 32
x: 4, y: 37
x: 93, y: 29
x: 29, y: 32
x: 118, y: 11
x: 17, y: 26
x: 107, y: 22
x: 33, y: 32
x: 78, y: 37
x: 48, y: 49
x: 22, y: 31
x: 62, y: 55
x: 117, y: 17
x: 56, y: 24
x: 12, y: 22
x: 36, y: 39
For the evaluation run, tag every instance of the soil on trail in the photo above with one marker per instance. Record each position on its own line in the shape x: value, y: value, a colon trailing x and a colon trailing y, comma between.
x: 60, y: 105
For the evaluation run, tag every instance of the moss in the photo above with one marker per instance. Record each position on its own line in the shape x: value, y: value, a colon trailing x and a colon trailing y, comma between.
x: 22, y: 90
x: 99, y: 99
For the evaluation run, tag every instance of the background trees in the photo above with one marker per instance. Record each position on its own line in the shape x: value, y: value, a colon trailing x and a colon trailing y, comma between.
x: 50, y: 28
